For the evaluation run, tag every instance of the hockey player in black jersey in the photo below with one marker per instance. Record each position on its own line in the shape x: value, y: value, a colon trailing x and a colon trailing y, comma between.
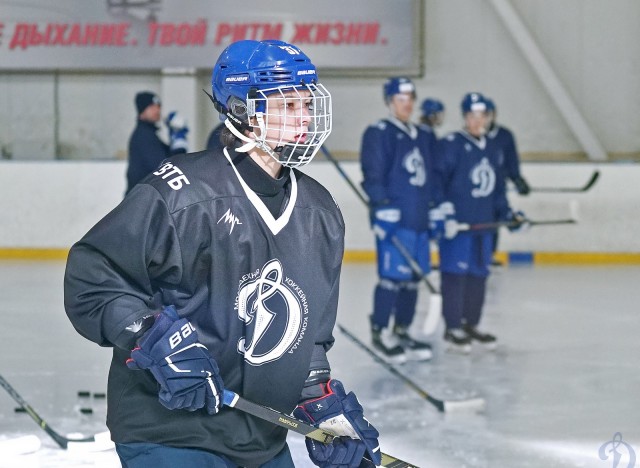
x: 221, y: 270
x: 396, y: 157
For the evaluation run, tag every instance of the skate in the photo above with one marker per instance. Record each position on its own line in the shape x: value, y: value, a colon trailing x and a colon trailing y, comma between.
x: 415, y: 350
x: 487, y: 340
x: 457, y: 341
x: 387, y: 346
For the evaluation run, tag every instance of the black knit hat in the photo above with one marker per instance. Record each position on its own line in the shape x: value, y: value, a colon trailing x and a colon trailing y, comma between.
x: 144, y: 99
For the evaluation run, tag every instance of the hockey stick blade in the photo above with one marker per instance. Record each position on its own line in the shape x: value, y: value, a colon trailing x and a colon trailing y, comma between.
x: 95, y: 442
x: 472, y: 404
x: 233, y: 400
x: 590, y: 183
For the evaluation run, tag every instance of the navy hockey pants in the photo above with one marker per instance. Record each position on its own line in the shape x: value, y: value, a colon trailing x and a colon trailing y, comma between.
x: 144, y: 455
x: 462, y: 299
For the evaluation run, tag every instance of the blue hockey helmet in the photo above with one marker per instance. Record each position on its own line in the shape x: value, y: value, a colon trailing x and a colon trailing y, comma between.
x: 431, y: 106
x: 398, y: 85
x: 472, y: 102
x: 247, y: 74
x: 491, y: 107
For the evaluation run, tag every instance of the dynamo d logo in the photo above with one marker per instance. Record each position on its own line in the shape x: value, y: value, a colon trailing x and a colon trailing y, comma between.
x: 484, y: 178
x: 414, y: 164
x: 612, y: 448
x: 274, y: 310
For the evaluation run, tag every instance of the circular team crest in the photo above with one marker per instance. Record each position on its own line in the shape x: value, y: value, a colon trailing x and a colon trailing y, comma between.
x: 414, y: 164
x: 271, y: 307
x: 484, y: 178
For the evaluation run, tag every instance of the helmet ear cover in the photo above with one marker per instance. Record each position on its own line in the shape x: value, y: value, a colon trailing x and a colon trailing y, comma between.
x: 238, y: 108
x: 239, y: 123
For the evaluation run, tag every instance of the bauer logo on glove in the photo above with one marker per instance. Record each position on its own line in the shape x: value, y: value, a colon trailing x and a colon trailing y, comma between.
x: 188, y: 376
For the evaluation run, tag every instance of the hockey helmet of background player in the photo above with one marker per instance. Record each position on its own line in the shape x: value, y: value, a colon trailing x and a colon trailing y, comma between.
x: 491, y: 109
x: 398, y: 85
x: 473, y: 102
x: 249, y: 82
x: 432, y: 112
x: 431, y: 106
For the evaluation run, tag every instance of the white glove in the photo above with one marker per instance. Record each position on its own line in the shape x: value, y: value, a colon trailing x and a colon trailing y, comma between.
x: 176, y: 121
x: 178, y: 130
x: 452, y: 228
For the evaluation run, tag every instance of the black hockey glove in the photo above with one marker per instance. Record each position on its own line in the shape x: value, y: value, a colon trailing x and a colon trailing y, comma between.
x: 342, y: 414
x: 188, y: 376
x: 519, y: 222
x: 521, y: 186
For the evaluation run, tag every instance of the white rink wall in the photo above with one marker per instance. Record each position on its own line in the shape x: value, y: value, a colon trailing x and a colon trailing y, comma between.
x: 50, y: 205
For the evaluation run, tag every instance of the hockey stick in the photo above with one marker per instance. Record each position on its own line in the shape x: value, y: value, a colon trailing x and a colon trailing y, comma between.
x: 233, y: 400
x: 573, y: 219
x: 435, y: 298
x: 507, y: 224
x: 584, y: 188
x: 97, y: 442
x: 474, y: 404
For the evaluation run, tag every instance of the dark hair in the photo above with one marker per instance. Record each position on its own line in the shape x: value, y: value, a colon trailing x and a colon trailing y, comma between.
x: 227, y: 138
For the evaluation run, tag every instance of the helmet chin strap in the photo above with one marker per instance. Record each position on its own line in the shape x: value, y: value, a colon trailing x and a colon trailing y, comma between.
x: 250, y: 143
x: 255, y: 142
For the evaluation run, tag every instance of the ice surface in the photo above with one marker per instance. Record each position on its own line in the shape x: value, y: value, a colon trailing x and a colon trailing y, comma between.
x: 562, y: 382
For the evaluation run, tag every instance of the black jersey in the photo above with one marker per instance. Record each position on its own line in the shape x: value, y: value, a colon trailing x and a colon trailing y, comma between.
x: 262, y: 293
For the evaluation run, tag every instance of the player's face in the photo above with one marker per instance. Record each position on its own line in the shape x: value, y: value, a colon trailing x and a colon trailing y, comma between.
x: 437, y: 119
x: 401, y: 106
x: 288, y: 116
x: 152, y: 113
x: 476, y: 123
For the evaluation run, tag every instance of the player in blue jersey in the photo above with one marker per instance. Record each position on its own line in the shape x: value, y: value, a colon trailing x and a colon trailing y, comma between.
x: 432, y: 113
x: 472, y: 182
x: 504, y: 139
x: 221, y: 270
x: 396, y: 159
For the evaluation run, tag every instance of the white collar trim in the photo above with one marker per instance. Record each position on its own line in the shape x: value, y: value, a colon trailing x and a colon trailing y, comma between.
x: 479, y: 142
x: 407, y: 128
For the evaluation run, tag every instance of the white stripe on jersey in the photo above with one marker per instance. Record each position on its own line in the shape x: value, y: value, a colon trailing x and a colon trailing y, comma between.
x: 274, y: 225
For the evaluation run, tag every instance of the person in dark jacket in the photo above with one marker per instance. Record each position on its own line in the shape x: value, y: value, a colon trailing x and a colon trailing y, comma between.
x: 146, y: 149
x: 221, y: 271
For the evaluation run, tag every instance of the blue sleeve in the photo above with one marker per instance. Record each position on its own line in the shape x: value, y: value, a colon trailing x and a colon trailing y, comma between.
x: 511, y: 157
x: 374, y: 164
x: 437, y: 171
x: 502, y: 209
x: 446, y: 165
